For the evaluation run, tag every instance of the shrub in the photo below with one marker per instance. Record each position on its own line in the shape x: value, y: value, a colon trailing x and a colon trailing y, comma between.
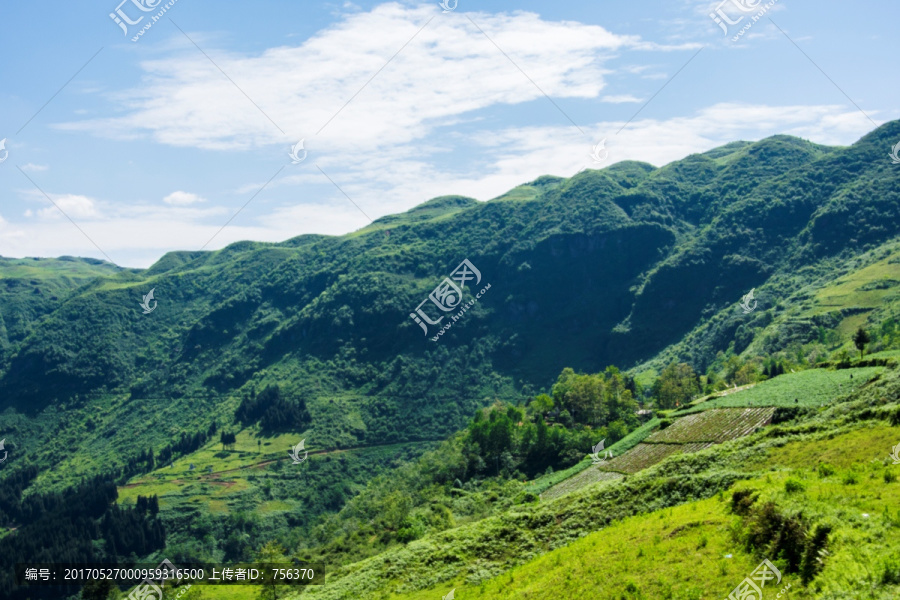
x: 742, y: 500
x: 850, y: 478
x: 825, y: 470
x: 777, y: 534
x: 664, y: 423
x: 889, y: 477
x: 814, y: 554
x: 792, y: 486
x: 890, y: 574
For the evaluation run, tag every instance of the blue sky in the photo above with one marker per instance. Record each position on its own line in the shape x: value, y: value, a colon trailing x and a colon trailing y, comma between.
x: 153, y: 145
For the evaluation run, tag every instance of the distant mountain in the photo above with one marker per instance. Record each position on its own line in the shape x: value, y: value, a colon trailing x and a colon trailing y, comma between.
x: 628, y: 265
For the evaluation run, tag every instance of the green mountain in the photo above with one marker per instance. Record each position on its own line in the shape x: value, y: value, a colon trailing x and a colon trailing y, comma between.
x: 259, y: 345
x: 608, y: 267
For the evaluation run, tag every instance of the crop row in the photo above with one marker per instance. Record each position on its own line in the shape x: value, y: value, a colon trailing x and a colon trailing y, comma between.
x: 585, y: 478
x: 717, y: 425
x: 646, y: 455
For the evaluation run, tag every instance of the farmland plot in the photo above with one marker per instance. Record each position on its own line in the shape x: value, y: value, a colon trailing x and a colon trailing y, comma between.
x: 647, y: 455
x: 717, y: 425
x: 812, y: 387
x: 690, y: 433
x: 590, y: 475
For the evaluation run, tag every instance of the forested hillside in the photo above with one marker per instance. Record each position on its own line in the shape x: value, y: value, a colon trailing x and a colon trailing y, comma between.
x: 606, y: 307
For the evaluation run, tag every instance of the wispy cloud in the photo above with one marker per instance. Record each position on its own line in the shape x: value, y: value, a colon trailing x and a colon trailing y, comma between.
x: 620, y: 99
x: 179, y: 198
x: 185, y: 101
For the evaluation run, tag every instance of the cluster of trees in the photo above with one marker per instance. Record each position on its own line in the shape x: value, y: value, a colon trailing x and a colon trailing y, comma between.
x: 147, y: 460
x: 186, y: 444
x: 555, y: 430
x: 79, y: 524
x: 11, y: 494
x: 676, y: 385
x: 503, y: 440
x: 227, y: 438
x: 595, y: 400
x: 147, y: 504
x: 273, y: 411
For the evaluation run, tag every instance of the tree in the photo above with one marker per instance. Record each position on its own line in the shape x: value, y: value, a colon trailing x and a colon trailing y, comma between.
x: 860, y: 339
x: 227, y: 438
x: 541, y: 405
x: 675, y: 385
x: 97, y: 589
x: 269, y: 556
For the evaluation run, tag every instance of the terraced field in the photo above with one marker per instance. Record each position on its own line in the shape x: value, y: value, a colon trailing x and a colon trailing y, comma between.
x: 590, y: 475
x: 690, y: 433
x: 717, y: 425
x: 647, y: 455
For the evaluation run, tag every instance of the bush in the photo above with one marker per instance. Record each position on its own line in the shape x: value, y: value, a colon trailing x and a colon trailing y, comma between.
x: 776, y: 534
x: 825, y: 470
x: 814, y: 554
x: 890, y: 573
x: 742, y: 500
x: 792, y: 486
x: 665, y: 423
x: 889, y: 477
x: 850, y: 478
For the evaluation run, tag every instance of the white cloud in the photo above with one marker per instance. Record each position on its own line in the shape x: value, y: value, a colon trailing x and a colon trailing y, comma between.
x: 179, y: 198
x: 32, y: 168
x: 73, y: 205
x: 620, y: 99
x: 448, y: 70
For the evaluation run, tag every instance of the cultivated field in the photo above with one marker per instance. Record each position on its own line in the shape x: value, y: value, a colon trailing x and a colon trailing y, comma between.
x: 592, y: 474
x: 718, y: 425
x: 812, y: 387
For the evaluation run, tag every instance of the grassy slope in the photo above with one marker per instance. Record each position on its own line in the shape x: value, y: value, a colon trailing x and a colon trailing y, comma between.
x: 680, y: 552
x: 865, y: 290
x: 477, y: 559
